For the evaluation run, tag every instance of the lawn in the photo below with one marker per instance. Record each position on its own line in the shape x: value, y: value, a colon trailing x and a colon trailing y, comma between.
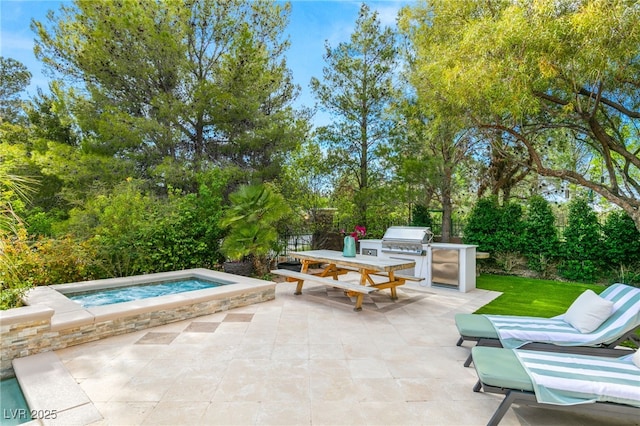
x: 531, y: 297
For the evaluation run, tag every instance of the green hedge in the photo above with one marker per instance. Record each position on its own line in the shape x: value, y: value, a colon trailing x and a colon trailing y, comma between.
x: 588, y: 251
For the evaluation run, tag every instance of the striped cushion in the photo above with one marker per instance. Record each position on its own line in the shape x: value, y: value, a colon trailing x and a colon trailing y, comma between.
x: 566, y: 379
x: 515, y: 331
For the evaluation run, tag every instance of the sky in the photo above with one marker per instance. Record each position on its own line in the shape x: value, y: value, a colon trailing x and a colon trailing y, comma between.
x: 312, y: 22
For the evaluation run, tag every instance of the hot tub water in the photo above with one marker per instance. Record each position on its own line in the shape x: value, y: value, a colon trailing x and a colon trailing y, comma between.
x: 137, y: 292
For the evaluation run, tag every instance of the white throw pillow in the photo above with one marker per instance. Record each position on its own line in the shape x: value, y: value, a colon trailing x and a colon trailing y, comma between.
x: 588, y: 312
x: 636, y: 358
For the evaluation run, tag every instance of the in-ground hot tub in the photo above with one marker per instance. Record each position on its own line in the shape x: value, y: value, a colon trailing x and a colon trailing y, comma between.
x: 52, y: 321
x: 142, y: 313
x: 109, y: 296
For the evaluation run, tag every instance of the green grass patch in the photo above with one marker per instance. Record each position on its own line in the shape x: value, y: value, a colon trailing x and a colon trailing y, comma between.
x: 530, y: 297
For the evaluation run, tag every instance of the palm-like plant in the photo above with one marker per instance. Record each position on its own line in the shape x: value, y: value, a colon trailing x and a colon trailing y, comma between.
x: 251, y: 220
x: 12, y: 188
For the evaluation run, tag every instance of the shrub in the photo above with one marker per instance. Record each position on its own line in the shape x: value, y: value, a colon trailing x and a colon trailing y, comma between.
x: 136, y: 233
x: 482, y: 224
x: 510, y: 229
x: 582, y: 245
x: 41, y: 223
x: 12, y: 285
x: 49, y: 261
x: 621, y: 247
x: 183, y: 234
x: 45, y: 261
x: 65, y: 260
x: 540, y: 244
x: 112, y: 223
x: 493, y: 228
x: 621, y: 239
x: 251, y: 220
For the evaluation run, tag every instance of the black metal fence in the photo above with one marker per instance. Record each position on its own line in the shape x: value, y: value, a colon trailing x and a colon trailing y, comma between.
x: 297, y: 242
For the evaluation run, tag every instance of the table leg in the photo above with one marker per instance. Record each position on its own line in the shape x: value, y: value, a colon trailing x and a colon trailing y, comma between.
x: 364, y: 277
x: 359, y: 299
x: 394, y: 293
x: 303, y: 269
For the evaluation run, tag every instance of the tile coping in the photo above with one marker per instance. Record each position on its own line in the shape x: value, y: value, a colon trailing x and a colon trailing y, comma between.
x: 51, y: 392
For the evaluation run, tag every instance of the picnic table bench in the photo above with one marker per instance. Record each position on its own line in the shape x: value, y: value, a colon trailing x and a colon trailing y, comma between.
x: 351, y: 288
x: 336, y: 264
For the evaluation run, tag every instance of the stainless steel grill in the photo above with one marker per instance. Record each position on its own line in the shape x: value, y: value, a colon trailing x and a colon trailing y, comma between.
x: 406, y: 240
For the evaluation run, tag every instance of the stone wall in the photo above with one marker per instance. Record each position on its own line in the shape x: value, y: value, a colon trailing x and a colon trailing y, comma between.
x: 27, y: 331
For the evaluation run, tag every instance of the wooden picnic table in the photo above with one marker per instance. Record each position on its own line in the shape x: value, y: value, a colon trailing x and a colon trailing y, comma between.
x: 335, y: 264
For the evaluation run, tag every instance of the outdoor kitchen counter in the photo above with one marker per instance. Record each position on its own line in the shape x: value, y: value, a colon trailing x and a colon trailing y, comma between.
x: 448, y: 264
x: 335, y: 264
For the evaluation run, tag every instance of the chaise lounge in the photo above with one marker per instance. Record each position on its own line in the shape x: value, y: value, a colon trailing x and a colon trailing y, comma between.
x: 592, y: 325
x: 562, y: 381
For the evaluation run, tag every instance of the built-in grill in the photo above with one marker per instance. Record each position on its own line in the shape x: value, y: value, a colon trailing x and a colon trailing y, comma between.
x: 436, y: 263
x: 406, y: 240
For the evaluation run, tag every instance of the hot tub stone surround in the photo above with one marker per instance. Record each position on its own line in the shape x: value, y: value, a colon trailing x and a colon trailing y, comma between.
x: 51, y: 321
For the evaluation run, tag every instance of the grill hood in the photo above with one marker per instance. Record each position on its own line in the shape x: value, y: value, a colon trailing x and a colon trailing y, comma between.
x: 406, y: 239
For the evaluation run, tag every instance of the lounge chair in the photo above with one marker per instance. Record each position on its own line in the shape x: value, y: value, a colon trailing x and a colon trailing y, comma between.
x: 555, y: 334
x: 562, y: 381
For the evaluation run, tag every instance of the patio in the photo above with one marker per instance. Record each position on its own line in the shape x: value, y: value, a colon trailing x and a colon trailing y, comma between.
x: 296, y: 360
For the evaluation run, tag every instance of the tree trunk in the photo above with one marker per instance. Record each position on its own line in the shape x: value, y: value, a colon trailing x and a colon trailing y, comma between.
x: 447, y: 208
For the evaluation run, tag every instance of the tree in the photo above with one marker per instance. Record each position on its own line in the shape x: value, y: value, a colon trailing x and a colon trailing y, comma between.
x: 501, y: 174
x: 14, y: 79
x: 356, y: 88
x: 199, y: 82
x: 305, y: 183
x: 41, y: 143
x: 544, y: 75
x: 427, y: 150
x: 50, y: 119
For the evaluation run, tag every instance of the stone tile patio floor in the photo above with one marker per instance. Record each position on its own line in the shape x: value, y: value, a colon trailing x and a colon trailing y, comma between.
x: 301, y: 360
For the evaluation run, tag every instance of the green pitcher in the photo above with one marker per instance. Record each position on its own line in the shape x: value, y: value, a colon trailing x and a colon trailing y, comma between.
x: 349, y: 249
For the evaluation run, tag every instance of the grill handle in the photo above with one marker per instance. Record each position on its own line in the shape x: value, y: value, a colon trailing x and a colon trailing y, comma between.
x: 421, y: 253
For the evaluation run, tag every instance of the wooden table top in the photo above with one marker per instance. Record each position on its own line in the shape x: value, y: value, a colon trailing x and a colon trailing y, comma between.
x: 371, y: 263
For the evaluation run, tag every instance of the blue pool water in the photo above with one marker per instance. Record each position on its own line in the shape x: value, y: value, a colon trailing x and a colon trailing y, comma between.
x: 137, y: 292
x: 15, y: 410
